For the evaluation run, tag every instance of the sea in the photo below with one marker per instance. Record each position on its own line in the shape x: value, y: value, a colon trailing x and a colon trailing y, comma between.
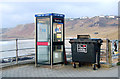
x: 8, y: 48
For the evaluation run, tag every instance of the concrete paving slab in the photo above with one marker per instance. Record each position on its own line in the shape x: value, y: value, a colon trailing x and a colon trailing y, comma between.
x: 59, y: 71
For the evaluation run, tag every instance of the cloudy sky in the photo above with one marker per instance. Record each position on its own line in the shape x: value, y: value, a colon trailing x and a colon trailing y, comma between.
x: 16, y: 12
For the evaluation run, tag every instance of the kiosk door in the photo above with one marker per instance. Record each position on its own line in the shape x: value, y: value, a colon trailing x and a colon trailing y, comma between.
x: 58, y: 42
x: 43, y: 40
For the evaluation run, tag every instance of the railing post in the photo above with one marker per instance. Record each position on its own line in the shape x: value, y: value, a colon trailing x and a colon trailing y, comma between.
x: 107, y: 50
x: 16, y: 51
x: 109, y: 53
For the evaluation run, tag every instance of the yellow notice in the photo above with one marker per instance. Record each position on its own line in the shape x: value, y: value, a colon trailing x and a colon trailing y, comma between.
x: 58, y: 35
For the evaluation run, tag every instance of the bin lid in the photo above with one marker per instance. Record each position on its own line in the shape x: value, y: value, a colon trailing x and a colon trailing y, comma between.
x: 83, y: 36
x: 82, y: 41
x: 85, y: 41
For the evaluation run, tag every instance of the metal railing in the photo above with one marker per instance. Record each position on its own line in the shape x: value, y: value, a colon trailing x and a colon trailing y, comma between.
x: 67, y: 47
x: 16, y: 49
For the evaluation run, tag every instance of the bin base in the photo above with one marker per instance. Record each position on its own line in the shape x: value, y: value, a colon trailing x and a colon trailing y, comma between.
x: 95, y: 66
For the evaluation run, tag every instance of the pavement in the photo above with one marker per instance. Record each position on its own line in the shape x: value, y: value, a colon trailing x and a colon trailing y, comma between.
x: 30, y: 70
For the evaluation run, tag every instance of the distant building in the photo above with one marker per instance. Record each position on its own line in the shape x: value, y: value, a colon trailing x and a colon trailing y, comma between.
x: 111, y: 16
x: 71, y: 19
x: 102, y: 16
x: 84, y: 17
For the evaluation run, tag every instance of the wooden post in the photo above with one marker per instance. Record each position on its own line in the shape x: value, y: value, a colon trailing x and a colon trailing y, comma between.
x: 16, y: 51
x: 107, y: 50
x: 109, y: 53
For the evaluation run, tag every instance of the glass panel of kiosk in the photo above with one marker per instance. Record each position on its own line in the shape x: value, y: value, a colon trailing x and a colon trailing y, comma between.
x: 43, y: 39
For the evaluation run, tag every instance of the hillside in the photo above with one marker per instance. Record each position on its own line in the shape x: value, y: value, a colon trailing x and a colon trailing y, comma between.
x: 104, y: 27
x: 20, y: 31
x: 100, y: 27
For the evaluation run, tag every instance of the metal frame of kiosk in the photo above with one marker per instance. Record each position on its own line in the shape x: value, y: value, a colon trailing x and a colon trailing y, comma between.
x: 50, y: 48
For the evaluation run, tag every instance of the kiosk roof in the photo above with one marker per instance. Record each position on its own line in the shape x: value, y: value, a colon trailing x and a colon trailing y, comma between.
x: 49, y: 14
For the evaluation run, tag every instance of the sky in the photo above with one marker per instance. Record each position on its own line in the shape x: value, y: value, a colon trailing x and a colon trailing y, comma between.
x: 13, y: 13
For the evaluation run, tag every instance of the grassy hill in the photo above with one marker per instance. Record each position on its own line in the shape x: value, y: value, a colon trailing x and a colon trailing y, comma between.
x: 97, y: 27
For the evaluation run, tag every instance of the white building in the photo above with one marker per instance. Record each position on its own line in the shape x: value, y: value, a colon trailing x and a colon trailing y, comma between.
x: 111, y: 16
x: 102, y: 16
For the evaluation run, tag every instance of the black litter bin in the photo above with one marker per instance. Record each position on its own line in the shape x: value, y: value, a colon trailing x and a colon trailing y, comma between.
x: 85, y: 50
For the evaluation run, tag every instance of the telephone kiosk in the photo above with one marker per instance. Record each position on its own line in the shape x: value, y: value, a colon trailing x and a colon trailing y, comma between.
x: 50, y: 48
